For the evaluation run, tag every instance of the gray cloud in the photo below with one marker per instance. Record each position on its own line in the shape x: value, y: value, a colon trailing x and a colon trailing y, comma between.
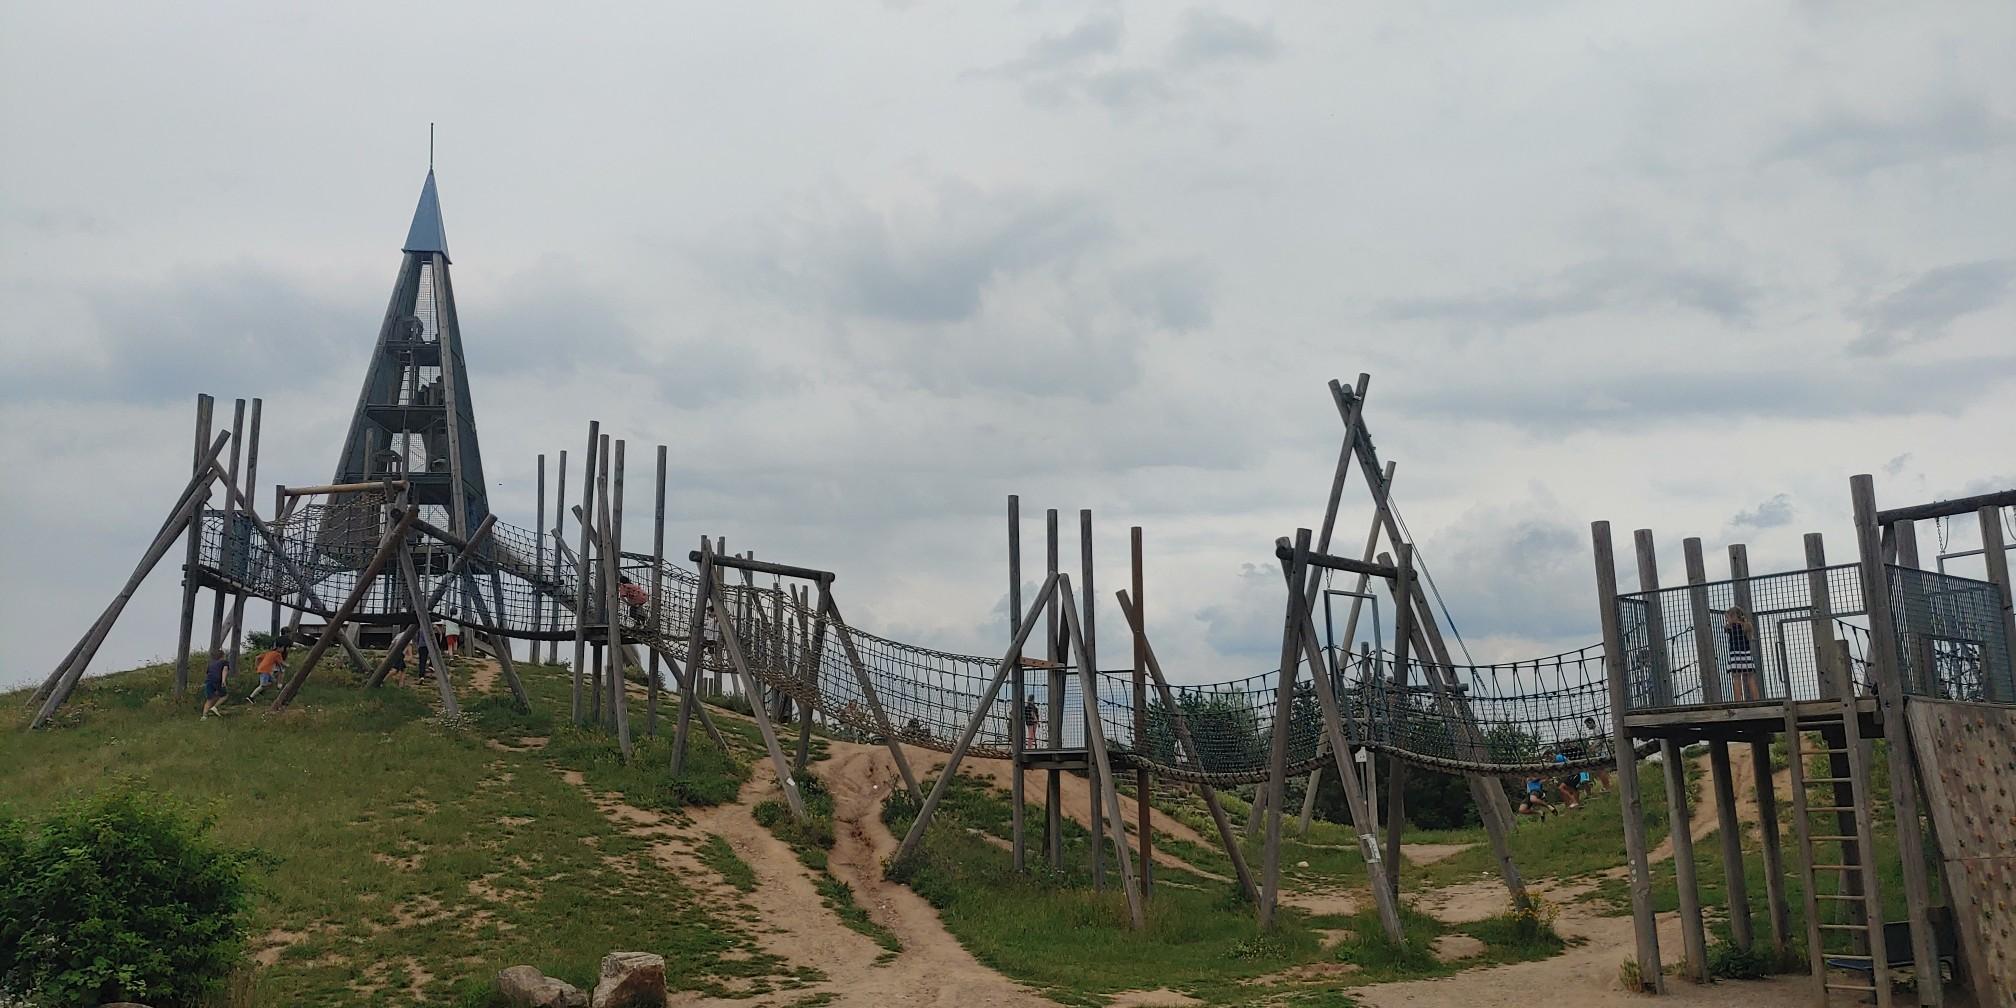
x: 1897, y: 464
x: 1921, y: 311
x: 1772, y: 513
x: 1098, y: 35
x: 1210, y: 36
x: 1246, y: 623
x: 1610, y: 283
x: 1560, y: 404
x: 1853, y: 142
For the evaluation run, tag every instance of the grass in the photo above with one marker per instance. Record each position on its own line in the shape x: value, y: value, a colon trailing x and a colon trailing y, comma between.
x: 716, y: 854
x: 811, y: 839
x: 1054, y: 930
x: 410, y: 859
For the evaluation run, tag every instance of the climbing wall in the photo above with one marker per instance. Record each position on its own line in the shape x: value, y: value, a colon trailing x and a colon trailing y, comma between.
x: 1967, y: 756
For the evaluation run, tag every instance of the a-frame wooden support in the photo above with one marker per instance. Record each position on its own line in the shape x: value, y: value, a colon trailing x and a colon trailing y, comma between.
x: 434, y: 597
x: 1088, y: 679
x: 409, y: 577
x: 829, y: 614
x: 387, y: 546
x: 752, y: 688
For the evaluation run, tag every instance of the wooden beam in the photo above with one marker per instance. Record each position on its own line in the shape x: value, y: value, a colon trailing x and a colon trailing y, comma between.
x: 750, y: 565
x: 1053, y: 793
x: 1017, y: 694
x: 1402, y: 586
x: 583, y: 608
x: 1144, y: 784
x: 1189, y: 743
x: 1897, y: 732
x: 1693, y: 932
x: 1088, y: 680
x: 696, y: 651
x: 958, y: 754
x: 1735, y: 882
x: 619, y: 698
x: 1946, y: 509
x: 754, y: 691
x: 411, y: 578
x: 1778, y: 910
x: 386, y: 547
x: 830, y: 609
x: 539, y: 560
x: 1994, y: 552
x: 421, y: 617
x: 187, y: 627
x: 1277, y: 759
x: 559, y: 544
x: 385, y: 485
x: 1645, y: 925
x: 1087, y: 655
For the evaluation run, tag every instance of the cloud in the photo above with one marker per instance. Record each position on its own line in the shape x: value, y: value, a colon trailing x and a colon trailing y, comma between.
x: 1209, y: 37
x: 1612, y: 283
x: 1098, y: 35
x: 1922, y: 310
x: 1897, y: 464
x: 1246, y: 623
x: 1855, y: 142
x: 1772, y: 513
x: 213, y: 328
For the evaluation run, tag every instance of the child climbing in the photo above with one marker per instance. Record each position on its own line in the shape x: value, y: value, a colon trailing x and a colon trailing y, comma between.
x: 1536, y: 799
x: 1032, y: 715
x: 1568, y: 784
x: 1742, y: 664
x: 634, y: 599
x: 271, y: 661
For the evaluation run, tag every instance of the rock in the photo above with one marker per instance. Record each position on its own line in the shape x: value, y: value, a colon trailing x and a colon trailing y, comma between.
x: 525, y: 987
x: 630, y: 980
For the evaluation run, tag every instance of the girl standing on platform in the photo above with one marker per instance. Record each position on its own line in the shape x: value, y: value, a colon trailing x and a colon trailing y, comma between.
x: 1742, y: 663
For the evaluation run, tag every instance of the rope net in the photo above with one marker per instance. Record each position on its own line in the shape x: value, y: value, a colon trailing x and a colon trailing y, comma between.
x: 1527, y: 718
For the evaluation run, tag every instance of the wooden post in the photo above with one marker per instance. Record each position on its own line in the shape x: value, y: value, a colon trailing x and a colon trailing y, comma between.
x: 559, y: 543
x: 1693, y: 933
x: 958, y: 754
x: 386, y: 547
x: 1143, y: 782
x: 619, y: 699
x: 204, y: 405
x: 1650, y: 970
x: 280, y: 507
x: 1277, y: 764
x: 810, y: 663
x: 1896, y: 730
x: 754, y: 692
x: 1379, y: 872
x: 1994, y: 551
x: 1396, y: 777
x: 539, y: 562
x: 1018, y: 731
x: 1090, y: 701
x: 421, y: 612
x: 583, y: 607
x: 433, y: 599
x: 1053, y: 793
x: 1906, y: 532
x: 1733, y: 878
x: 1189, y: 742
x: 1485, y: 792
x: 1088, y: 674
x: 1778, y: 910
x: 830, y: 611
x: 57, y: 688
x: 657, y: 587
x: 226, y: 543
x: 696, y: 650
x: 605, y: 581
x: 251, y: 480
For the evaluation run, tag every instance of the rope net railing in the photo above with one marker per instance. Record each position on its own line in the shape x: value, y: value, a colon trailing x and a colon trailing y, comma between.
x: 1521, y: 718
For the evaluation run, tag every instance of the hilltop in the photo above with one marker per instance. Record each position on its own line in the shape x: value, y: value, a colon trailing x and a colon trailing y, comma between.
x: 407, y: 860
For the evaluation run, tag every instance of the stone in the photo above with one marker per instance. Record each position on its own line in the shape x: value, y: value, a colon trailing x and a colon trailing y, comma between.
x: 630, y: 980
x: 525, y: 987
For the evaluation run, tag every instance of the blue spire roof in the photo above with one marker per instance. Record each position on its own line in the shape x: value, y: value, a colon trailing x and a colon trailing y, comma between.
x: 427, y: 233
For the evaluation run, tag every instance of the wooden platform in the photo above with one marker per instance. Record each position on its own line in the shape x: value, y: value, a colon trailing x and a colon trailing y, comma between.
x: 1055, y: 759
x: 1739, y: 720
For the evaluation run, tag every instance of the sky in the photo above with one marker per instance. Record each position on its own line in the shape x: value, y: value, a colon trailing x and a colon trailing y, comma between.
x: 869, y: 268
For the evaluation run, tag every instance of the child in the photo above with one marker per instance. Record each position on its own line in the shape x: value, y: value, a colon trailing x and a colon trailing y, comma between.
x: 634, y: 599
x: 1567, y: 784
x: 214, y: 681
x: 1742, y: 664
x: 1031, y: 716
x: 1536, y: 799
x: 271, y: 661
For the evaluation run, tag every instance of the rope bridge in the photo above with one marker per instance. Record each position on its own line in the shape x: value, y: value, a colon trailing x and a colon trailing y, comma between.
x: 1546, y: 716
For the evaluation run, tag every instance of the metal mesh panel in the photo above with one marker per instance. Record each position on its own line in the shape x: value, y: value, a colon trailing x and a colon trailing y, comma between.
x: 1788, y: 630
x: 1951, y: 640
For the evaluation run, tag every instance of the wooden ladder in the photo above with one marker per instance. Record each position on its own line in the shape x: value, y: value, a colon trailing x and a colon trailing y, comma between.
x: 1820, y: 716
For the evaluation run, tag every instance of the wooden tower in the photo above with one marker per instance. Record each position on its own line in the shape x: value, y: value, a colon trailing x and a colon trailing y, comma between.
x: 414, y: 417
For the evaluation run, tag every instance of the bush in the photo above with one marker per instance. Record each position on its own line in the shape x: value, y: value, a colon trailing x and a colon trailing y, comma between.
x: 119, y: 897
x: 1727, y: 962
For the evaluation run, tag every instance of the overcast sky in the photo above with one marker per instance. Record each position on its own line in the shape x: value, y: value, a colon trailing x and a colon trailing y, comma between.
x: 870, y: 268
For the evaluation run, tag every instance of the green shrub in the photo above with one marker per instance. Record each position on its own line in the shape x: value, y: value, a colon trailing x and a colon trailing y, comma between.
x: 1727, y: 962
x: 120, y: 896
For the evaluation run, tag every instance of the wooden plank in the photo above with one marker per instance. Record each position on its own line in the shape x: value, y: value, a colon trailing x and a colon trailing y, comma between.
x: 1734, y: 879
x: 1897, y: 731
x: 1693, y: 932
x: 1096, y: 737
x: 958, y: 754
x: 1189, y: 742
x: 1645, y: 926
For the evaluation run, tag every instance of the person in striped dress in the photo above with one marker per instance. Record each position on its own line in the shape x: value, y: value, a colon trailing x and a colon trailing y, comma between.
x: 1742, y: 662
